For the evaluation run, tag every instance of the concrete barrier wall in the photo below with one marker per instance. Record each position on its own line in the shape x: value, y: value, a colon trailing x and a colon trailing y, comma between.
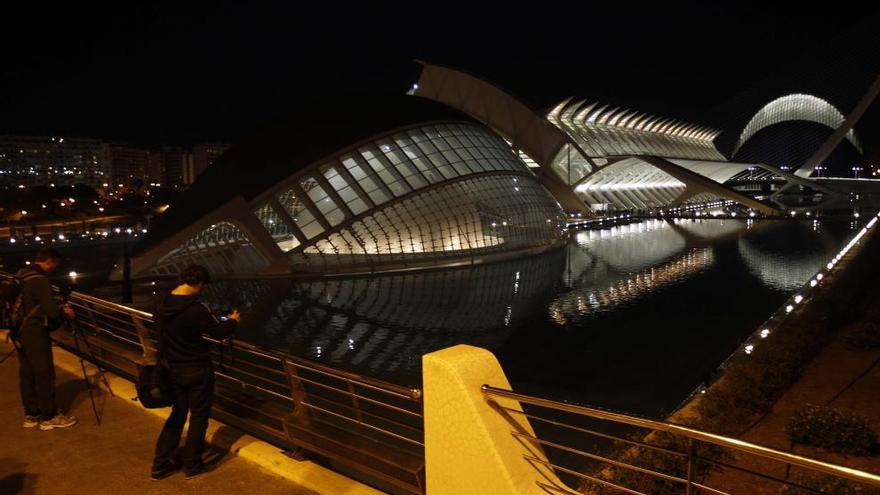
x: 469, y: 448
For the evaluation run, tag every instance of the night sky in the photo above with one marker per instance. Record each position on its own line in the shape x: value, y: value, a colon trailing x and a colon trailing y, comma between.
x: 177, y: 74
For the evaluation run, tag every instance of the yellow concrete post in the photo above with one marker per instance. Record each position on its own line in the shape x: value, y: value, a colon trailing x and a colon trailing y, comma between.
x: 469, y: 448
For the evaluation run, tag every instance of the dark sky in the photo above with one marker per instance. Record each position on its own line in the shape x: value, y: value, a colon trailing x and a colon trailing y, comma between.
x: 177, y: 73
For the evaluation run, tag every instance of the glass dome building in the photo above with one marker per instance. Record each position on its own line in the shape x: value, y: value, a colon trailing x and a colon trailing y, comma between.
x: 375, y: 184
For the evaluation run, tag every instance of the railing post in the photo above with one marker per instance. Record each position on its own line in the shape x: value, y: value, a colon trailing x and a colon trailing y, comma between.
x: 691, y: 467
x: 297, y: 391
x: 354, y: 401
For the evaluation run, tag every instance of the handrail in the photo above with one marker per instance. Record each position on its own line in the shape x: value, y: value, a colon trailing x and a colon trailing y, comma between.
x: 286, y: 399
x: 711, y: 438
x: 391, y: 389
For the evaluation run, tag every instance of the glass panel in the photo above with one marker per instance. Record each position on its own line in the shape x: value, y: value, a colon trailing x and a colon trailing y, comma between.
x: 277, y: 227
x: 298, y: 212
x: 322, y: 200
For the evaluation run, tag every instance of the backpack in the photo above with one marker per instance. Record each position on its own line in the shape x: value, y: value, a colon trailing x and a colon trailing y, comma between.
x: 11, y: 305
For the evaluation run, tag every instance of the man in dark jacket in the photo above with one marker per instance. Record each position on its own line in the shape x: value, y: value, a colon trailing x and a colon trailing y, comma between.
x: 182, y: 320
x: 36, y: 364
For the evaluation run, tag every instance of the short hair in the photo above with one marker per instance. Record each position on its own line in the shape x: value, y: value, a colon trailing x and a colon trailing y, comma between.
x: 194, y: 275
x: 46, y: 254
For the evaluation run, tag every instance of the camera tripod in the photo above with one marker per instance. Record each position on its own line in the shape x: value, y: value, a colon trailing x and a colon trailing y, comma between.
x: 77, y: 335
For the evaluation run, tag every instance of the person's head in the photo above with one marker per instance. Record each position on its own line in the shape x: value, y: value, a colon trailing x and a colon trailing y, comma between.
x: 49, y: 259
x: 195, y: 276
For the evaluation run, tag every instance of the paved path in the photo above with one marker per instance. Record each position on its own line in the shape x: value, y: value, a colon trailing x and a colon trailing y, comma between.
x: 113, y: 458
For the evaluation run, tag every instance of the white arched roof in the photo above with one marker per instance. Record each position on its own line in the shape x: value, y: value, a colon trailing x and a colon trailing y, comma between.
x: 795, y: 107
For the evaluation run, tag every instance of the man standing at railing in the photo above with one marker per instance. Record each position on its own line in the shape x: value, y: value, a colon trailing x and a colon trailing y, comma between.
x: 182, y: 320
x: 42, y: 314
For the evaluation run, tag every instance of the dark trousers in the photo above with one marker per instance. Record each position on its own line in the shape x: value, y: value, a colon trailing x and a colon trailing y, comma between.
x: 193, y: 389
x: 36, y: 373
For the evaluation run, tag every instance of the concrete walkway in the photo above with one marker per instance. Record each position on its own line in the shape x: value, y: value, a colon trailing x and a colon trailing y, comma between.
x: 115, y: 457
x: 839, y: 377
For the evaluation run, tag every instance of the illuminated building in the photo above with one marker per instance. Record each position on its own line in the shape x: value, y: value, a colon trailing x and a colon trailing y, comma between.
x: 400, y: 183
x: 45, y: 160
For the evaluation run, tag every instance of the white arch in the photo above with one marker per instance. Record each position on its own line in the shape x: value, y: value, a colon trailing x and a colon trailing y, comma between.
x: 795, y: 107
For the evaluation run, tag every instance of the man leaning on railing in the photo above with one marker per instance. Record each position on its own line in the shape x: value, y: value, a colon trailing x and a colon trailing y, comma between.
x: 182, y: 320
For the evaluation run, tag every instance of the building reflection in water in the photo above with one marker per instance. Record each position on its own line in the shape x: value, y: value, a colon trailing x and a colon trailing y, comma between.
x: 786, y: 263
x: 588, y: 300
x: 382, y: 325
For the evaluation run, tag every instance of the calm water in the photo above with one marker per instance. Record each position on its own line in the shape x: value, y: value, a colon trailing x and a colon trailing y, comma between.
x: 632, y: 318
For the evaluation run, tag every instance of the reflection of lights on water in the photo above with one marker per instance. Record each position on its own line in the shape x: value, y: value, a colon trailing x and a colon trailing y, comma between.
x: 633, y: 287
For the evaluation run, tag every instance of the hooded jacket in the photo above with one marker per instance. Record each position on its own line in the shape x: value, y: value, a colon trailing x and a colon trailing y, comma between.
x: 182, y: 320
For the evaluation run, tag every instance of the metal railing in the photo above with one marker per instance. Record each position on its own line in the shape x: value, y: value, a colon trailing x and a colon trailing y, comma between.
x: 366, y: 425
x: 655, y: 456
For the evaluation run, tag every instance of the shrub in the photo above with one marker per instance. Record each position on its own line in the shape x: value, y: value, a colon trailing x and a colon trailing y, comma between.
x: 832, y: 430
x: 864, y: 336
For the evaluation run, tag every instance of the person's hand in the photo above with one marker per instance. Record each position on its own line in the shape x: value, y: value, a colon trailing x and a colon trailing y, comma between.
x: 235, y: 315
x: 68, y: 312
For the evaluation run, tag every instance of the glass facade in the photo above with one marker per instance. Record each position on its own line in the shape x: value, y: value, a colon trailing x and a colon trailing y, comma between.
x: 277, y: 227
x: 421, y: 197
x: 480, y: 215
x: 221, y: 248
x: 491, y: 213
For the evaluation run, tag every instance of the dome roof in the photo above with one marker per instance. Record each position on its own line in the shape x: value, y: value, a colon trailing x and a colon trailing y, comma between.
x: 290, y: 144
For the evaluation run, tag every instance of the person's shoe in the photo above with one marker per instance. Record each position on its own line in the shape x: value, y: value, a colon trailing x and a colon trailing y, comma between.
x: 59, y: 421
x: 31, y: 421
x: 202, y: 468
x: 164, y: 471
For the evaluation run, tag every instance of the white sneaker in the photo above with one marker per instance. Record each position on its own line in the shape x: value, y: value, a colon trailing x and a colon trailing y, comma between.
x: 59, y: 421
x: 31, y: 421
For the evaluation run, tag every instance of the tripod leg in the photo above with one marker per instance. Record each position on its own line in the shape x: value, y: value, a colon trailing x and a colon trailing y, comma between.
x: 82, y: 365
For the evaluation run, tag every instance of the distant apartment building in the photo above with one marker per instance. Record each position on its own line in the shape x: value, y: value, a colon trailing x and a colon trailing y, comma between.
x: 178, y: 164
x: 45, y: 160
x: 203, y: 155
